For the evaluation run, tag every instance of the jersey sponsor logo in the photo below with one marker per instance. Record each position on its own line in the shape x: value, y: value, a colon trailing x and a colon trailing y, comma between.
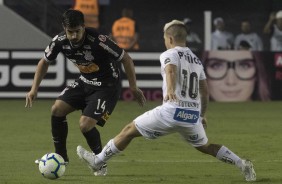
x: 185, y: 115
x: 188, y: 104
x: 167, y: 60
x: 93, y: 82
x: 190, y: 58
x: 102, y: 38
x: 107, y: 48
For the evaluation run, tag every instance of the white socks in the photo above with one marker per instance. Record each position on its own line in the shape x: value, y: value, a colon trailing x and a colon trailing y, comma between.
x: 108, y: 152
x: 225, y: 155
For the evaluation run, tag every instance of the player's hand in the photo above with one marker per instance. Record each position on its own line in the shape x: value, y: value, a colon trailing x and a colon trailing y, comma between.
x: 30, y: 97
x: 204, y: 122
x: 170, y: 97
x: 139, y: 96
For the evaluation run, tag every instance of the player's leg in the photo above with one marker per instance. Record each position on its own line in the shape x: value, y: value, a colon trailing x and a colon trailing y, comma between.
x: 146, y: 125
x: 196, y: 136
x: 113, y: 147
x: 119, y: 143
x: 59, y: 127
x: 92, y: 135
x: 100, y: 105
x: 224, y: 154
x: 68, y: 101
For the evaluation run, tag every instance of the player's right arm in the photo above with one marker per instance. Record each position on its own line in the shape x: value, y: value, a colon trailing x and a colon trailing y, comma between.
x: 40, y: 72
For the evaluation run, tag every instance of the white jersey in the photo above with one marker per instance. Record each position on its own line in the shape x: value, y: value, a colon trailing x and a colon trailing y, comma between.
x: 276, y: 39
x: 189, y: 71
x: 182, y: 116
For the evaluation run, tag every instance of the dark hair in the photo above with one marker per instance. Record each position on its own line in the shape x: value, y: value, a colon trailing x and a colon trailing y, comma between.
x: 73, y: 18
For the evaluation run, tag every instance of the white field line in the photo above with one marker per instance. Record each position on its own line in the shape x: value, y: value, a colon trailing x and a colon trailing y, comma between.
x: 184, y: 161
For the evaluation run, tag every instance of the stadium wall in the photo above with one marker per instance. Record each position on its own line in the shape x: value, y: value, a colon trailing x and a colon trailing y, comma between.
x: 17, y: 33
x: 17, y: 70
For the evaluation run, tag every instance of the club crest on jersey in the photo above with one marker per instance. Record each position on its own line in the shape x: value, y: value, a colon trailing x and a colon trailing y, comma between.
x: 102, y: 38
x: 185, y: 115
x: 88, y: 56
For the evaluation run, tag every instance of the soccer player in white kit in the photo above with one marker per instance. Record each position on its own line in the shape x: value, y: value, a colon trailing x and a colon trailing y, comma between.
x: 185, y: 100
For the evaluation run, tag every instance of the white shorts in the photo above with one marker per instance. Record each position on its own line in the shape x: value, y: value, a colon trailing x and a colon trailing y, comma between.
x: 153, y: 124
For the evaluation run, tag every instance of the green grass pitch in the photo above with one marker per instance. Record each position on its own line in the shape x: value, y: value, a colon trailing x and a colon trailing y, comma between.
x: 252, y: 130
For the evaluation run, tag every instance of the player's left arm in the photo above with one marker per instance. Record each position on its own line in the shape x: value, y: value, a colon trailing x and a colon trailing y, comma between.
x: 170, y: 71
x: 130, y: 72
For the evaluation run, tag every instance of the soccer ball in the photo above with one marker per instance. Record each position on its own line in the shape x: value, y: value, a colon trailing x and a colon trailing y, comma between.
x: 52, y: 166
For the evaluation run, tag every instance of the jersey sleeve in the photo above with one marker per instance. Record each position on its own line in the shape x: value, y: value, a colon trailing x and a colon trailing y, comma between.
x: 52, y: 50
x: 108, y: 45
x: 168, y: 58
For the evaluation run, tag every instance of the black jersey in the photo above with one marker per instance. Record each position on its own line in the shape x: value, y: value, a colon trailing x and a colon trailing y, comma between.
x: 97, y: 57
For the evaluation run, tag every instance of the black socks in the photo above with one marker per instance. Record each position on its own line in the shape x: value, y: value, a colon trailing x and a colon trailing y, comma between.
x: 94, y: 140
x: 59, y: 127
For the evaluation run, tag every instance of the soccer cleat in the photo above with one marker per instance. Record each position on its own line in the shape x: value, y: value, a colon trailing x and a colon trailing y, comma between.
x: 103, y: 171
x: 89, y: 159
x: 248, y: 170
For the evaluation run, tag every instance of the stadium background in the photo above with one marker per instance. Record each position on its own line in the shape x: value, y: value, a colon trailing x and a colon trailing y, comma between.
x: 21, y: 57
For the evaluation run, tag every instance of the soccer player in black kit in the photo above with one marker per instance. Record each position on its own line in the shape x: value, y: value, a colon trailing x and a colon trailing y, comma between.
x: 97, y: 89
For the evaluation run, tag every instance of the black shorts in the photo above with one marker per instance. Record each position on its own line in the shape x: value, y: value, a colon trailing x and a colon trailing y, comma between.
x: 95, y: 103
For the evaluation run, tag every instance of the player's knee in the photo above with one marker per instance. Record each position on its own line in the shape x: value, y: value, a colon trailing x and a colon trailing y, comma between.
x: 61, y: 108
x: 55, y: 110
x: 58, y: 111
x: 86, y: 124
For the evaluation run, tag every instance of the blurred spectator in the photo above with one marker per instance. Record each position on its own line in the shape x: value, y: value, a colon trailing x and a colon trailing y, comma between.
x: 273, y: 27
x: 193, y: 41
x: 90, y: 9
x: 125, y: 31
x: 221, y: 39
x: 251, y: 38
